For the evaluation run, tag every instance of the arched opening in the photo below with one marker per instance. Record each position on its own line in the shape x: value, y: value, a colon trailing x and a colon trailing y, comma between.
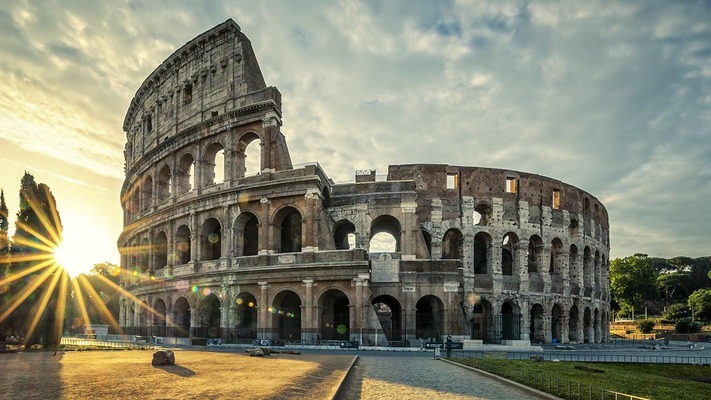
x: 246, y: 316
x: 587, y: 271
x: 288, y: 221
x: 211, y: 239
x: 247, y: 234
x: 163, y: 184
x: 509, y: 254
x: 535, y: 254
x: 510, y: 321
x: 573, y: 227
x: 596, y: 274
x: 159, y: 320
x: 147, y: 193
x: 143, y: 319
x: 429, y: 316
x: 428, y: 242
x: 452, y: 244
x: 210, y: 317
x: 537, y: 328
x: 160, y: 249
x: 389, y: 313
x: 214, y: 164
x: 249, y: 155
x: 573, y: 322
x: 596, y: 325
x: 384, y: 235
x: 480, y: 321
x: 143, y: 254
x: 481, y: 253
x: 181, y: 309
x: 557, y: 321
x: 135, y: 200
x: 482, y: 214
x: 286, y: 312
x: 344, y: 235
x: 587, y: 326
x: 182, y: 245
x: 186, y: 174
x: 335, y: 316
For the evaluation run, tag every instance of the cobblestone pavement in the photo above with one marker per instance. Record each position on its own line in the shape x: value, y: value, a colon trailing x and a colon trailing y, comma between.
x: 418, y: 376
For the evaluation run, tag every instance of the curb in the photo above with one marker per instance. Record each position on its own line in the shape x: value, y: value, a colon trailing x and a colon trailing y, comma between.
x: 506, y: 381
x: 340, y: 385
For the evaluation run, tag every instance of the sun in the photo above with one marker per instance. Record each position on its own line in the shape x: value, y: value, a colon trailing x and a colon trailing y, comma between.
x: 72, y: 259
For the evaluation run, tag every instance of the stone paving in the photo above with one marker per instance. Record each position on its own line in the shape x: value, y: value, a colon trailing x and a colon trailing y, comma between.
x: 384, y: 375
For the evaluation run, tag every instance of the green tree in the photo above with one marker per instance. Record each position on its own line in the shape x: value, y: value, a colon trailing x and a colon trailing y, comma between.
x: 633, y: 280
x: 676, y: 312
x: 4, y: 238
x: 700, y: 303
x: 38, y: 228
x: 675, y: 285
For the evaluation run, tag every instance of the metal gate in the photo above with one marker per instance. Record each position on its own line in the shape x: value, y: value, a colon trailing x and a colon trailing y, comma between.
x: 493, y: 329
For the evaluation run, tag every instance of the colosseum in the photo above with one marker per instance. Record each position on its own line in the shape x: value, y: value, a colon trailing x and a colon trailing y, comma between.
x: 225, y: 238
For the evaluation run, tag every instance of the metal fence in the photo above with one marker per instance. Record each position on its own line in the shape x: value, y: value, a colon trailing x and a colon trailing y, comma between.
x: 599, y: 358
x: 116, y: 344
x: 562, y: 388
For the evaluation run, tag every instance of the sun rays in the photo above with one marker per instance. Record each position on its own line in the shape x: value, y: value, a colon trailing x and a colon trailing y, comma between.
x: 39, y: 283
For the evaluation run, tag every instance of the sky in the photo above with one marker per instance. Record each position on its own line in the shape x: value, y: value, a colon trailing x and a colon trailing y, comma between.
x: 611, y: 97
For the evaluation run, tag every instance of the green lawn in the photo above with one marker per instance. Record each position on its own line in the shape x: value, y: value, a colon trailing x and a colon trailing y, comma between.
x: 654, y: 381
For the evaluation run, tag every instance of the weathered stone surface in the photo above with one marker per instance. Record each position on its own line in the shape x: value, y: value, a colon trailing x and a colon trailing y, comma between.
x: 163, y: 357
x: 256, y: 352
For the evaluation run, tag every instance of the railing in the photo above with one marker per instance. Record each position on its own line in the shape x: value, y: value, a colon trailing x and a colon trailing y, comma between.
x: 562, y: 388
x: 599, y: 358
x: 116, y: 344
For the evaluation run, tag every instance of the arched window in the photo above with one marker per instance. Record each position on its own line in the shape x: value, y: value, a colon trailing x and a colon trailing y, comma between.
x: 214, y: 164
x: 186, y: 172
x: 163, y: 184
x: 384, y: 235
x: 211, y: 239
x: 481, y: 253
x: 247, y: 234
x: 147, y: 193
x: 482, y: 214
x: 145, y: 247
x: 160, y: 249
x: 288, y: 221
x: 249, y: 155
x: 182, y: 245
x: 452, y: 244
x: 344, y: 235
x: 535, y: 253
x: 509, y: 254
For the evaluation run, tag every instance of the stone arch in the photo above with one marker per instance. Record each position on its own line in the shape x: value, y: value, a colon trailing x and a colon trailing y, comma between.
x: 389, y: 225
x: 211, y: 239
x: 535, y: 254
x: 482, y: 214
x: 246, y: 316
x: 573, y: 324
x: 596, y: 269
x: 344, y: 234
x: 510, y: 320
x: 334, y: 319
x: 573, y: 270
x: 160, y: 250
x: 509, y: 254
x: 210, y: 316
x: 286, y: 314
x: 588, y: 336
x: 135, y: 200
x: 588, y: 271
x: 288, y: 230
x: 159, y: 318
x: 183, y: 252
x: 481, y: 321
x: 186, y: 174
x: 163, y: 184
x: 214, y: 164
x: 558, y: 324
x: 482, y: 256
x: 452, y: 244
x: 147, y: 193
x: 537, y: 327
x: 429, y: 318
x: 182, y: 312
x: 249, y: 154
x: 246, y: 228
x: 389, y: 312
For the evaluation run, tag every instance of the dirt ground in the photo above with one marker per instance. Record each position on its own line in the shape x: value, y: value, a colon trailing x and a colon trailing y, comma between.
x: 196, y: 375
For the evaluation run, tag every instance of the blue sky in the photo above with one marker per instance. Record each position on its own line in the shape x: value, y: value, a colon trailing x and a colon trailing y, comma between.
x: 612, y: 97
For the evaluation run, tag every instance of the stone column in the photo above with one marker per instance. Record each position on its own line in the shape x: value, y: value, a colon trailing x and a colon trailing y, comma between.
x: 521, y: 261
x: 262, y: 322
x: 544, y: 266
x: 310, y: 222
x: 564, y: 329
x: 496, y: 274
x: 195, y: 251
x: 525, y: 320
x: 266, y: 228
x: 307, y: 323
x: 408, y: 246
x: 359, y: 309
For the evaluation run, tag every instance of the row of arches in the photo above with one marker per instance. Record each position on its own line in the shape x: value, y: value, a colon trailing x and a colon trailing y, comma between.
x: 188, y: 173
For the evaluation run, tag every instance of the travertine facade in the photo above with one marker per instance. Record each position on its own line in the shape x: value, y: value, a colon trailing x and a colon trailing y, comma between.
x: 211, y: 249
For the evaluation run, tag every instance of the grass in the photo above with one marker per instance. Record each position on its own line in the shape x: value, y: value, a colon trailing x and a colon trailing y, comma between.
x: 196, y: 375
x: 654, y: 381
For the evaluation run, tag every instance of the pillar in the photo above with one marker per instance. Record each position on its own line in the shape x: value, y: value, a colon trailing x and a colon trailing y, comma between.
x: 308, y: 327
x: 263, y: 312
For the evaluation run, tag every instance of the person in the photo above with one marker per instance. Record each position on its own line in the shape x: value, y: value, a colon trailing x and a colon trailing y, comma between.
x: 449, y: 346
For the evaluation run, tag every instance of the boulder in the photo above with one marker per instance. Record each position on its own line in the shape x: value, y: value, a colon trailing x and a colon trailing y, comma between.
x: 163, y: 357
x: 256, y: 353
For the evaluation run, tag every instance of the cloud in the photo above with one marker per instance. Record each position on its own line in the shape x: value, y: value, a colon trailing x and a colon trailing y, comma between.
x: 611, y: 98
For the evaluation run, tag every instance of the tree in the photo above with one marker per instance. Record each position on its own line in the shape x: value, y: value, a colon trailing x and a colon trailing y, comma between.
x: 675, y: 285
x: 633, y: 280
x: 38, y: 228
x: 4, y: 238
x: 700, y: 302
x: 676, y: 312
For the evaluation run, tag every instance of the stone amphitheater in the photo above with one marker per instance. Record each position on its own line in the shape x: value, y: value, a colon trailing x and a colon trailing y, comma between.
x: 225, y: 238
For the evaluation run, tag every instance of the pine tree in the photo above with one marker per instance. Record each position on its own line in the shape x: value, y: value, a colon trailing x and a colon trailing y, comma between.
x: 38, y: 229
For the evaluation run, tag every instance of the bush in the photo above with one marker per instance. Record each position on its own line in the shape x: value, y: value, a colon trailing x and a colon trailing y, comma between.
x: 686, y: 325
x: 676, y: 312
x: 645, y: 326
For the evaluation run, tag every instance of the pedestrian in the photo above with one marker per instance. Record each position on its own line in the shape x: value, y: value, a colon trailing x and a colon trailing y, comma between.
x: 449, y: 346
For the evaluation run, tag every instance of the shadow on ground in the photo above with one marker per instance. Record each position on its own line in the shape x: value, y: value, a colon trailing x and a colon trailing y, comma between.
x: 176, y: 370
